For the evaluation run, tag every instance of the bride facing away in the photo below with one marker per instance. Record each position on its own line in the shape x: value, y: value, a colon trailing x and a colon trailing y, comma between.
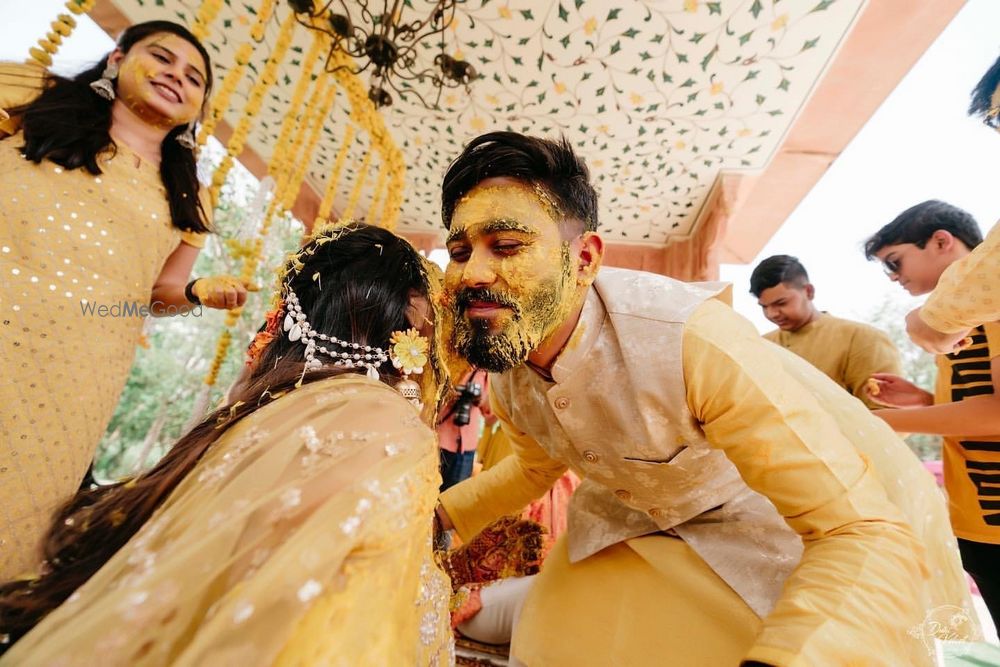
x: 293, y: 525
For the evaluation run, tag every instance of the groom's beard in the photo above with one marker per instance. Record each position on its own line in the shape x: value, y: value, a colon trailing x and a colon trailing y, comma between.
x: 501, y: 344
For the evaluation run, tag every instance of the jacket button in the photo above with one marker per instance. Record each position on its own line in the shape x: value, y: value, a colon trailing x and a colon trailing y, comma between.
x: 623, y: 495
x: 591, y: 457
x: 657, y: 513
x: 562, y: 403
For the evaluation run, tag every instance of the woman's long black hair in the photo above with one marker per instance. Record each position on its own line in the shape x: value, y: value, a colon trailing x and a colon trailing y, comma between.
x: 70, y: 125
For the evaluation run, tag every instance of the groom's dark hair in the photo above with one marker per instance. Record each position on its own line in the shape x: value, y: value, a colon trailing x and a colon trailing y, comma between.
x: 551, y: 164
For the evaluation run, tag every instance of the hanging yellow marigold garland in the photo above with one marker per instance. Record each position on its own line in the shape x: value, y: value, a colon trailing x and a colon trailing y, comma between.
x: 326, y: 205
x: 220, y: 101
x: 62, y: 27
x: 286, y: 147
x: 352, y: 202
x: 319, y: 110
x: 254, y: 102
x: 383, y: 169
x: 207, y: 12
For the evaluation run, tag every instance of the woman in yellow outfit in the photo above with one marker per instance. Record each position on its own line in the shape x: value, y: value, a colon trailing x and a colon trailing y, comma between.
x: 101, y: 220
x: 293, y: 526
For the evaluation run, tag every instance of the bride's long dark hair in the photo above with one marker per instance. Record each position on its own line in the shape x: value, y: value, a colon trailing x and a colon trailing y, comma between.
x: 356, y: 285
x: 69, y: 124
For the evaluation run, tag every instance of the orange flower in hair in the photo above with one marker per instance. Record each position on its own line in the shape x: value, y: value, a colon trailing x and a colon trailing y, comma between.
x: 263, y: 338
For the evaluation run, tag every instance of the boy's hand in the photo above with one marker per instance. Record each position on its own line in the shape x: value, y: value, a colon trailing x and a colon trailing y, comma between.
x: 893, y: 391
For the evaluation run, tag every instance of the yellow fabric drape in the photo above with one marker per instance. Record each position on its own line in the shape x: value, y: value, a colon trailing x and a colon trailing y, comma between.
x: 302, y: 537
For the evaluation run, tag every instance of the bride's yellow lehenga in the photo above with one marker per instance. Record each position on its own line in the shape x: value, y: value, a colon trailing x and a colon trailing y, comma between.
x: 303, y: 537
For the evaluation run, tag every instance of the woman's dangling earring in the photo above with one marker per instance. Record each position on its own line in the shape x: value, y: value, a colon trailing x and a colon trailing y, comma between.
x: 105, y: 86
x: 409, y: 354
x: 187, y: 138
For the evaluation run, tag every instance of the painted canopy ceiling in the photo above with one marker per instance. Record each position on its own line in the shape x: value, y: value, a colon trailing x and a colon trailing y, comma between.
x: 659, y: 96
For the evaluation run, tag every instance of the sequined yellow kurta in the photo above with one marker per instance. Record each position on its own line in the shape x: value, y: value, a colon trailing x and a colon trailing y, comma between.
x: 69, y: 242
x: 301, y: 538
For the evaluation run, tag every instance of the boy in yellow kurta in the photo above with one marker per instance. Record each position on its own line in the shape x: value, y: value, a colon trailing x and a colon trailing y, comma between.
x: 968, y: 293
x: 847, y: 352
x: 917, y: 248
x: 736, y: 505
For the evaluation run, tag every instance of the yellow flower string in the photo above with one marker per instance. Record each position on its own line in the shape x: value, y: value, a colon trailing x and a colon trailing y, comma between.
x: 220, y: 101
x: 320, y: 111
x: 263, y: 16
x: 286, y: 148
x: 394, y: 196
x: 237, y: 141
x: 254, y: 102
x: 372, y: 215
x: 62, y: 27
x: 352, y: 203
x: 299, y: 152
x: 326, y: 205
x: 368, y: 118
x: 225, y: 338
x: 207, y: 12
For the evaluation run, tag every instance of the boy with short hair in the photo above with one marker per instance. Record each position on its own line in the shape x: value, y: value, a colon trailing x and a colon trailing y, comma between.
x: 916, y: 249
x: 847, y: 352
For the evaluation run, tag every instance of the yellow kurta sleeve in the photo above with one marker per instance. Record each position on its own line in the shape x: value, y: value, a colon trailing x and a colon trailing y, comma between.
x: 19, y: 84
x: 853, y: 594
x: 968, y: 293
x: 506, y: 488
x: 871, y: 351
x: 194, y: 239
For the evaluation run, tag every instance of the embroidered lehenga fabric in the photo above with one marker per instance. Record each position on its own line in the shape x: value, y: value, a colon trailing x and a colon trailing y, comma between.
x: 303, y: 537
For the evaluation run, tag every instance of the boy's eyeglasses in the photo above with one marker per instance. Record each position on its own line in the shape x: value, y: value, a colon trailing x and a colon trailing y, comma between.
x: 892, y: 266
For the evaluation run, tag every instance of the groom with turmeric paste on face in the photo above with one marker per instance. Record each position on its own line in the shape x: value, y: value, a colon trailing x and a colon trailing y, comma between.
x: 736, y: 504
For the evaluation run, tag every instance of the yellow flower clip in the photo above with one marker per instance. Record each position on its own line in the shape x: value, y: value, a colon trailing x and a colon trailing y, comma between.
x: 409, y: 351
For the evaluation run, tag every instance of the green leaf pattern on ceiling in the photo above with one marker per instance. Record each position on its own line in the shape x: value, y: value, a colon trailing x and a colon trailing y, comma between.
x: 658, y: 95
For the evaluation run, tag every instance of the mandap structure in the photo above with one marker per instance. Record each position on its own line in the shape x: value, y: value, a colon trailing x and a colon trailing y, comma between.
x: 704, y: 122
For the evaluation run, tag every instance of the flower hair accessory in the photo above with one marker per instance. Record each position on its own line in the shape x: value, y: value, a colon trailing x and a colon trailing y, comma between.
x: 409, y: 354
x: 271, y: 330
x: 350, y: 355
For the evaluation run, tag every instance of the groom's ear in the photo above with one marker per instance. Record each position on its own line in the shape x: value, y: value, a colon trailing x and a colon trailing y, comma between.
x: 589, y: 255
